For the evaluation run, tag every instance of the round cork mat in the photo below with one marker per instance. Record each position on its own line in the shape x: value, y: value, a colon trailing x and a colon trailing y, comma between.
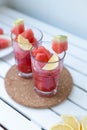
x: 21, y: 90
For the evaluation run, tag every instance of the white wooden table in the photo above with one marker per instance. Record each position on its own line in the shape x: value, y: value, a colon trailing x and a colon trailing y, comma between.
x: 14, y: 116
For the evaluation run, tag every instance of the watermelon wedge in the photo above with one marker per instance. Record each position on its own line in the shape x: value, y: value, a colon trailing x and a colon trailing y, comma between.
x: 42, y: 57
x: 5, y: 41
x: 42, y: 49
x: 28, y: 34
x: 18, y: 27
x: 59, y: 43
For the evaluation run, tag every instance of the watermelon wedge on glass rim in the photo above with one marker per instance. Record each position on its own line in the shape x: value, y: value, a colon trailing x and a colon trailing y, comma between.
x: 60, y: 43
x: 23, y: 40
x: 18, y: 27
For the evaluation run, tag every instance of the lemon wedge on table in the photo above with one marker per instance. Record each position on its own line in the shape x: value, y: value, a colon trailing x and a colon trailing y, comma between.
x: 61, y: 127
x: 71, y: 121
x: 50, y: 65
x: 84, y: 123
x: 24, y: 43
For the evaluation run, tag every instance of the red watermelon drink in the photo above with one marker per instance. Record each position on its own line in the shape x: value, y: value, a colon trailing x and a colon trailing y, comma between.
x: 23, y: 40
x: 47, y: 66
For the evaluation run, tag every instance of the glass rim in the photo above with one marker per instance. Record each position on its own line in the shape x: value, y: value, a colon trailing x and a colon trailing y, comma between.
x: 40, y: 32
x: 30, y: 27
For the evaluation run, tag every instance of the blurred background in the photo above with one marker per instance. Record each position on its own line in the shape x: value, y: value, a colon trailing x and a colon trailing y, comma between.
x: 69, y: 15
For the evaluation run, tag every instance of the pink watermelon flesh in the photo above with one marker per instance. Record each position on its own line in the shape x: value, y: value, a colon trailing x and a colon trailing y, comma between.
x: 18, y: 29
x: 42, y: 54
x: 28, y: 34
x: 42, y: 57
x: 4, y: 43
x: 59, y: 47
x: 42, y: 49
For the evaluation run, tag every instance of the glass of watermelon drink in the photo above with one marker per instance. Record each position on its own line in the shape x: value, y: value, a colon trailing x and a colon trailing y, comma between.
x: 47, y: 67
x: 22, y: 43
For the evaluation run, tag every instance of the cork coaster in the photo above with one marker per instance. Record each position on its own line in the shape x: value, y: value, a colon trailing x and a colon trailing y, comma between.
x: 21, y: 90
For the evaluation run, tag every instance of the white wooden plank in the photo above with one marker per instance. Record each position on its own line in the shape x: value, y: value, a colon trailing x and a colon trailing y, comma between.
x: 44, y: 117
x: 69, y: 108
x: 79, y: 97
x: 5, y: 28
x: 9, y: 59
x: 8, y: 21
x: 1, y: 128
x: 13, y: 120
x: 82, y: 82
x: 76, y: 64
x: 4, y: 68
x: 77, y: 52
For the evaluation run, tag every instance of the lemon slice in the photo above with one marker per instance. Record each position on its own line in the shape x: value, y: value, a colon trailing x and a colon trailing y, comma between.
x: 80, y: 126
x: 72, y: 121
x: 84, y: 123
x: 24, y: 43
x: 50, y: 65
x: 61, y: 127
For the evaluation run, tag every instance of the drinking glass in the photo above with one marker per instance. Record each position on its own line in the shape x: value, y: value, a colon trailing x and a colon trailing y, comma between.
x: 46, y: 80
x: 22, y: 57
